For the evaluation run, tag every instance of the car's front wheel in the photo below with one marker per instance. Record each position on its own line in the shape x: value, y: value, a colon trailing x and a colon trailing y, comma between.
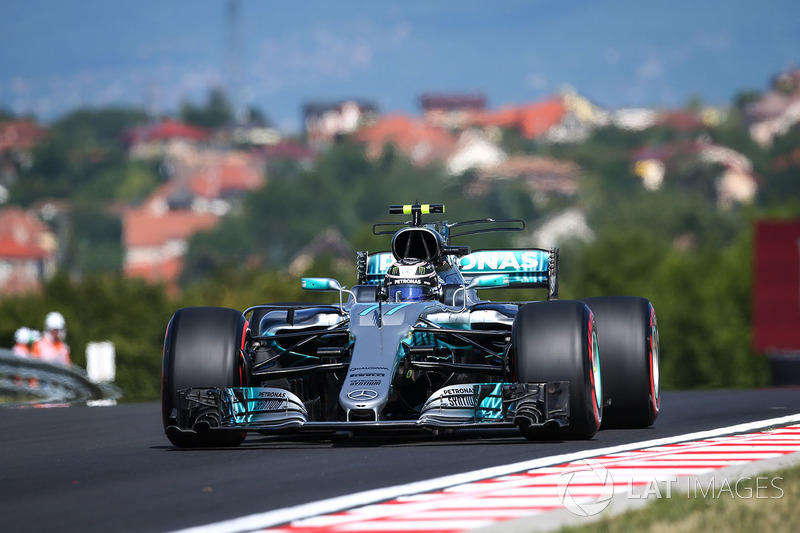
x: 557, y: 341
x: 203, y: 348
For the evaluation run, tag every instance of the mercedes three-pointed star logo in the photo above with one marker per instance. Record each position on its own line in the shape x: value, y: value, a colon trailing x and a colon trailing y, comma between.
x: 362, y: 394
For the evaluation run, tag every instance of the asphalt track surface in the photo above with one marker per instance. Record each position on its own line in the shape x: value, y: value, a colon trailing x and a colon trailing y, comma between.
x: 111, y: 468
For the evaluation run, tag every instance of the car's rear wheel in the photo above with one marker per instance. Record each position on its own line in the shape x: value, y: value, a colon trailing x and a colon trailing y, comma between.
x: 203, y: 348
x: 557, y: 341
x: 628, y: 333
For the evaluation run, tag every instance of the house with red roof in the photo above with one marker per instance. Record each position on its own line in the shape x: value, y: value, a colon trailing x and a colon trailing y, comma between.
x: 421, y: 142
x: 531, y: 120
x: 288, y: 150
x: 19, y: 135
x: 205, y: 186
x: 566, y: 117
x: 164, y: 137
x: 17, y: 139
x: 156, y: 240
x: 27, y: 252
x: 218, y: 176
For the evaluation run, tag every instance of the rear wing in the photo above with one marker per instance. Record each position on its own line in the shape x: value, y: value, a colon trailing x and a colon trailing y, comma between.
x: 533, y: 268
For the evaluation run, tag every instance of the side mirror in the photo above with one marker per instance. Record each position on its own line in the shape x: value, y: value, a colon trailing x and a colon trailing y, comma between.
x: 326, y: 284
x: 320, y: 284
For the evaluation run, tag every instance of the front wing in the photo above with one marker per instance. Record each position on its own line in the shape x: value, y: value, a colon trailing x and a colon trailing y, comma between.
x: 270, y: 410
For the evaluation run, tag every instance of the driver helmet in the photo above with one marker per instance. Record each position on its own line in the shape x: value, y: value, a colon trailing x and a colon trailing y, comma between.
x: 411, y: 280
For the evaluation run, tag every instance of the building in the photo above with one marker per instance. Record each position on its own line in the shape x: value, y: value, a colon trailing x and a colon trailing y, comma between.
x: 736, y: 184
x: 27, y: 252
x: 474, y: 150
x: 451, y: 111
x: 160, y: 139
x: 17, y: 140
x: 326, y: 121
x: 532, y: 120
x: 544, y: 177
x: 214, y: 180
x: 421, y: 142
x: 156, y: 240
x: 777, y: 110
x: 205, y: 185
x: 288, y: 151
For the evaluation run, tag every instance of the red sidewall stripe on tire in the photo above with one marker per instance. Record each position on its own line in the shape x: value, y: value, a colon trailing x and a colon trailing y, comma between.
x: 653, y: 336
x: 595, y: 403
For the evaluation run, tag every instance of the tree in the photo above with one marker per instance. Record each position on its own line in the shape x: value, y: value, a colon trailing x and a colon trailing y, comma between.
x: 5, y: 115
x: 743, y: 99
x: 132, y: 314
x: 216, y: 112
x: 95, y: 245
x: 780, y: 181
x: 72, y: 159
x: 701, y: 298
x: 347, y: 191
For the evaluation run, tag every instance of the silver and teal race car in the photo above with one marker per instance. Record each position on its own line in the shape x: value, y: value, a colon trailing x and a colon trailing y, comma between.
x: 440, y: 361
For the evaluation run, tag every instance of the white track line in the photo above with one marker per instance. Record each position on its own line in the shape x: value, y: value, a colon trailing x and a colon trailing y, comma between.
x: 339, y: 503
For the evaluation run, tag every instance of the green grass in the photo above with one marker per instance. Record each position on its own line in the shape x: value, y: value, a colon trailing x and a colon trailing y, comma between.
x: 778, y: 510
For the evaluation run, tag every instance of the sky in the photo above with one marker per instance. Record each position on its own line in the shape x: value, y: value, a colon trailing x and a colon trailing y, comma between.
x: 59, y: 55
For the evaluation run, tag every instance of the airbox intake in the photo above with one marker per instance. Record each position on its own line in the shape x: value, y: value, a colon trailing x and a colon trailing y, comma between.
x: 416, y: 243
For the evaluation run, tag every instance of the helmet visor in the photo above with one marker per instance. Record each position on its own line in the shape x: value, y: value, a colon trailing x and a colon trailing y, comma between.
x: 399, y: 293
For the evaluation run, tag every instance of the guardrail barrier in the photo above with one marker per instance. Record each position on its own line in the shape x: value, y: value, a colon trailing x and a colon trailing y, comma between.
x: 31, y: 381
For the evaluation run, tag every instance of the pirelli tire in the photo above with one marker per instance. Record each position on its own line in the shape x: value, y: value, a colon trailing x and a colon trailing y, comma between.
x: 203, y: 348
x: 556, y: 341
x: 627, y: 330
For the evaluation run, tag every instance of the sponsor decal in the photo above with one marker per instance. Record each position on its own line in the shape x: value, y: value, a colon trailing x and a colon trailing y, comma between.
x: 364, y: 382
x: 362, y: 394
x: 272, y: 394
x: 460, y: 401
x: 457, y: 390
x: 503, y: 261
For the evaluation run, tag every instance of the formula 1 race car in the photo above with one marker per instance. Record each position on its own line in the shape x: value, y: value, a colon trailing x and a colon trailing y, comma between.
x: 412, y: 346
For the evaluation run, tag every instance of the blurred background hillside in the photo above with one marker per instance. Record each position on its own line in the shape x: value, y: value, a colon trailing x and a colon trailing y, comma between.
x: 218, y: 155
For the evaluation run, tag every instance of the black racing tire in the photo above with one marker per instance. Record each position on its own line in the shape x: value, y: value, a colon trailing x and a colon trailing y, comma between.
x: 628, y: 333
x: 203, y: 348
x: 556, y: 341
